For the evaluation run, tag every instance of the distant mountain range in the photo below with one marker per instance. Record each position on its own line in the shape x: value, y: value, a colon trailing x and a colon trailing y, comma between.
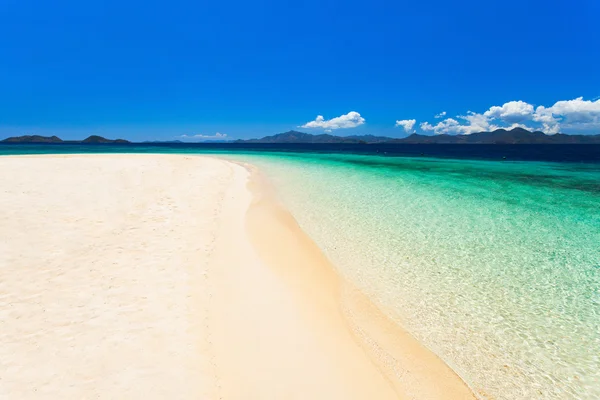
x: 94, y: 139
x: 499, y: 136
x: 502, y: 136
x: 162, y: 141
x: 301, y: 137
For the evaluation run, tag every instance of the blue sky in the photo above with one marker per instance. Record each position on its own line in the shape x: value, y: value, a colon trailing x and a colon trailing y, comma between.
x: 158, y: 70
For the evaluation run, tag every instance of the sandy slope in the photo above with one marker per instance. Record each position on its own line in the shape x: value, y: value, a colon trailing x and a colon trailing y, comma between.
x: 145, y: 276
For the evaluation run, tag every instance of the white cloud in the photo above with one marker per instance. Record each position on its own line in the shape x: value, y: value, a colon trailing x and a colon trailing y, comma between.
x: 477, y: 123
x: 218, y: 135
x: 426, y: 126
x: 577, y: 110
x: 544, y: 116
x: 518, y: 125
x: 350, y: 120
x: 511, y: 112
x: 450, y: 126
x: 440, y: 115
x: 574, y: 115
x: 407, y: 124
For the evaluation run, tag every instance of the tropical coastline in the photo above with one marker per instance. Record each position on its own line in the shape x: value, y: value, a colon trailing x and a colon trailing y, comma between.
x: 492, y: 265
x: 342, y: 200
x: 316, y: 200
x: 336, y: 304
x: 133, y: 275
x: 425, y: 272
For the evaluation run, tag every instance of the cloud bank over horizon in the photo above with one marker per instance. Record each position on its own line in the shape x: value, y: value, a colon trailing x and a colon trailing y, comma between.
x: 216, y: 136
x: 582, y: 116
x: 571, y: 116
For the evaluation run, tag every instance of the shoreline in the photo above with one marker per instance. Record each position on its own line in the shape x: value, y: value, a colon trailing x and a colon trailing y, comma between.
x: 410, y: 368
x: 179, y: 275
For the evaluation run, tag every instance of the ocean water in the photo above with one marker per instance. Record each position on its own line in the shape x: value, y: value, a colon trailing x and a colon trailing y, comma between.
x: 494, y: 265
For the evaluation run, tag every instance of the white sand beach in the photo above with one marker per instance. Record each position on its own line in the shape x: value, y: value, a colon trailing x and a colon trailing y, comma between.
x: 170, y: 277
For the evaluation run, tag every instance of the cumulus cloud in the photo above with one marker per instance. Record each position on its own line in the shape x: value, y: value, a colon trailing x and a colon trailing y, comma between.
x: 578, y: 110
x: 511, y: 112
x: 476, y: 123
x: 426, y: 126
x: 440, y: 115
x: 577, y: 114
x: 518, y: 125
x: 544, y: 116
x: 447, y: 126
x: 407, y: 125
x: 218, y: 135
x: 473, y: 123
x: 350, y: 120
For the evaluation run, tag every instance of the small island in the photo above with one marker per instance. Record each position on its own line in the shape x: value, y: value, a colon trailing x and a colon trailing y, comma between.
x: 94, y: 139
x: 33, y: 139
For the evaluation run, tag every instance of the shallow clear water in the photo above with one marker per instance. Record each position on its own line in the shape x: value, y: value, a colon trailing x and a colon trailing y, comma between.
x: 495, y: 266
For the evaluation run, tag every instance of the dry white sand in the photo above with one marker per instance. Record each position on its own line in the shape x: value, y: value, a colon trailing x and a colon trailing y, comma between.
x: 100, y: 275
x: 146, y: 276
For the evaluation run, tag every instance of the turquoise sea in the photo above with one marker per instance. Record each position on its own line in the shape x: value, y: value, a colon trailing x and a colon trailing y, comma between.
x: 494, y: 265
